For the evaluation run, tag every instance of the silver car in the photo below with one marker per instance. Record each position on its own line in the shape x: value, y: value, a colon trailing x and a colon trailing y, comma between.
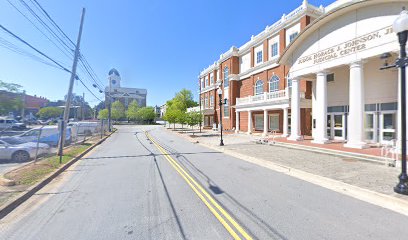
x: 19, y: 151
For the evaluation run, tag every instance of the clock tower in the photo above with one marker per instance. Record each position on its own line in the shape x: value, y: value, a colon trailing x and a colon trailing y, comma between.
x: 114, y: 79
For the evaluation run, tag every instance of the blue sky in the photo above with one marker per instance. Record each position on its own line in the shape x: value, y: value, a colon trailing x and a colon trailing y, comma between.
x: 159, y: 45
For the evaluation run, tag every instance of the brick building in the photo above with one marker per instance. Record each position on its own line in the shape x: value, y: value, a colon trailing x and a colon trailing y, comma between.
x: 315, y: 72
x: 31, y: 104
x: 254, y: 83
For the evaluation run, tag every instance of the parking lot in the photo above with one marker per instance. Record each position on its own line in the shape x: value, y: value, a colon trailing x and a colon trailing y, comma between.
x: 22, y: 146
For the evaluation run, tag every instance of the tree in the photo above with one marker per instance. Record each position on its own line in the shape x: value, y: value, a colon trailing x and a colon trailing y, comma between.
x: 146, y: 114
x: 9, y: 104
x: 193, y: 118
x: 171, y: 116
x: 184, y: 100
x: 118, y: 110
x: 181, y: 117
x: 132, y: 112
x: 103, y: 114
x: 11, y: 87
x: 10, y: 100
x: 50, y: 112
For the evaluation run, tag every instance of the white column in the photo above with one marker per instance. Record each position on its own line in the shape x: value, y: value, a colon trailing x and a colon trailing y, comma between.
x: 285, y: 122
x: 236, y: 121
x: 295, y: 111
x: 249, y: 122
x: 320, y: 109
x: 356, y: 112
x: 265, y: 130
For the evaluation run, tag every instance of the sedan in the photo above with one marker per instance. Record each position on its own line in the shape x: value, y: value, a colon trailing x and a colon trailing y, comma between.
x: 19, y: 151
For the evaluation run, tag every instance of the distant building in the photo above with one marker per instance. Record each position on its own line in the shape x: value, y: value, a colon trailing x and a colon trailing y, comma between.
x: 31, y: 104
x: 157, y: 111
x: 124, y: 95
x: 163, y: 110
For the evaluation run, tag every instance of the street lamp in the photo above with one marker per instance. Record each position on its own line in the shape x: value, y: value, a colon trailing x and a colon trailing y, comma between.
x: 400, y: 26
x: 219, y: 91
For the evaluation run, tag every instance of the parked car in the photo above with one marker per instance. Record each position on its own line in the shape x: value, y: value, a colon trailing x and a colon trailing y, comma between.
x: 49, y: 135
x: 85, y: 128
x: 20, y: 151
x: 8, y: 123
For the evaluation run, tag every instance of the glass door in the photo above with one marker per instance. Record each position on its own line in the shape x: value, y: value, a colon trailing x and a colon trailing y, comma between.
x: 388, y: 126
x: 338, y: 126
x: 335, y: 126
x: 274, y: 122
x: 371, y: 129
x: 329, y: 127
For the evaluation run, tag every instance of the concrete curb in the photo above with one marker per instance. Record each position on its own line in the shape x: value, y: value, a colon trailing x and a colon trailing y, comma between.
x: 379, y: 199
x: 18, y: 200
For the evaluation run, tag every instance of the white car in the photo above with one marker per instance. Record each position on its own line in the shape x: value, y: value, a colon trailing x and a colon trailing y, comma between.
x: 19, y: 151
x: 13, y: 124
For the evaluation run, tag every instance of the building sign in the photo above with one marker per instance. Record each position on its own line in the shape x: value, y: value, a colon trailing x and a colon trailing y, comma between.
x: 355, y: 45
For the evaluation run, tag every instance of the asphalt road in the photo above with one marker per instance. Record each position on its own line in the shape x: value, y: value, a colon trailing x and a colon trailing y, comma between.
x: 160, y: 186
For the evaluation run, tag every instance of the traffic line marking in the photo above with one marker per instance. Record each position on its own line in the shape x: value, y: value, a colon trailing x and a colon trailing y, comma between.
x: 199, y: 190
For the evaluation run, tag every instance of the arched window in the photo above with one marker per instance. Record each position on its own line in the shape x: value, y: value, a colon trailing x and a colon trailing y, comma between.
x: 226, y: 72
x: 259, y: 87
x: 274, y: 84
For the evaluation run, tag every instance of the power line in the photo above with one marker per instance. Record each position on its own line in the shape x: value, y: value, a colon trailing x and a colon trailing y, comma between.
x: 28, y: 19
x: 88, y: 88
x: 90, y: 71
x: 14, y: 48
x: 45, y: 25
x: 53, y: 22
x: 35, y: 49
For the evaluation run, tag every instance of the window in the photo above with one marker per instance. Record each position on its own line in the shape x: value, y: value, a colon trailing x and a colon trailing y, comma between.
x: 274, y: 84
x: 212, y: 100
x: 258, y: 87
x: 202, y: 83
x: 211, y: 79
x: 259, y: 122
x: 226, y: 109
x: 274, y: 50
x: 202, y: 102
x: 274, y: 122
x: 259, y: 57
x: 293, y: 36
x: 226, y: 72
x: 206, y: 101
x: 330, y: 77
x: 289, y: 83
x: 206, y: 81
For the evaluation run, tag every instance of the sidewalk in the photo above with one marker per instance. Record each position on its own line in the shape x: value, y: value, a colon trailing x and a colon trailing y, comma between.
x: 362, y: 174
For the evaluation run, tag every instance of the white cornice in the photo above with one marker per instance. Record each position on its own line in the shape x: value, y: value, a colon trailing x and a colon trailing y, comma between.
x: 257, y: 69
x: 286, y: 20
x: 232, y: 52
x: 209, y: 69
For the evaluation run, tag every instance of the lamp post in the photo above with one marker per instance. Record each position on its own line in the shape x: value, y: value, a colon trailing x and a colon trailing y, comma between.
x: 199, y: 101
x: 219, y: 91
x: 400, y: 27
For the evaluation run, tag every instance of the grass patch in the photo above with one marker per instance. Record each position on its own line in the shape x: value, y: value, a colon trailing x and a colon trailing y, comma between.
x: 33, y: 173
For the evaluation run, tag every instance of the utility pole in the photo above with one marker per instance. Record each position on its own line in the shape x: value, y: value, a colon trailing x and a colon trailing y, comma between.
x: 110, y: 106
x: 71, y: 84
x: 24, y: 105
x: 83, y: 106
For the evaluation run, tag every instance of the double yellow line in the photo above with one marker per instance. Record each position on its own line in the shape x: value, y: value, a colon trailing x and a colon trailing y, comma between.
x: 223, y: 217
